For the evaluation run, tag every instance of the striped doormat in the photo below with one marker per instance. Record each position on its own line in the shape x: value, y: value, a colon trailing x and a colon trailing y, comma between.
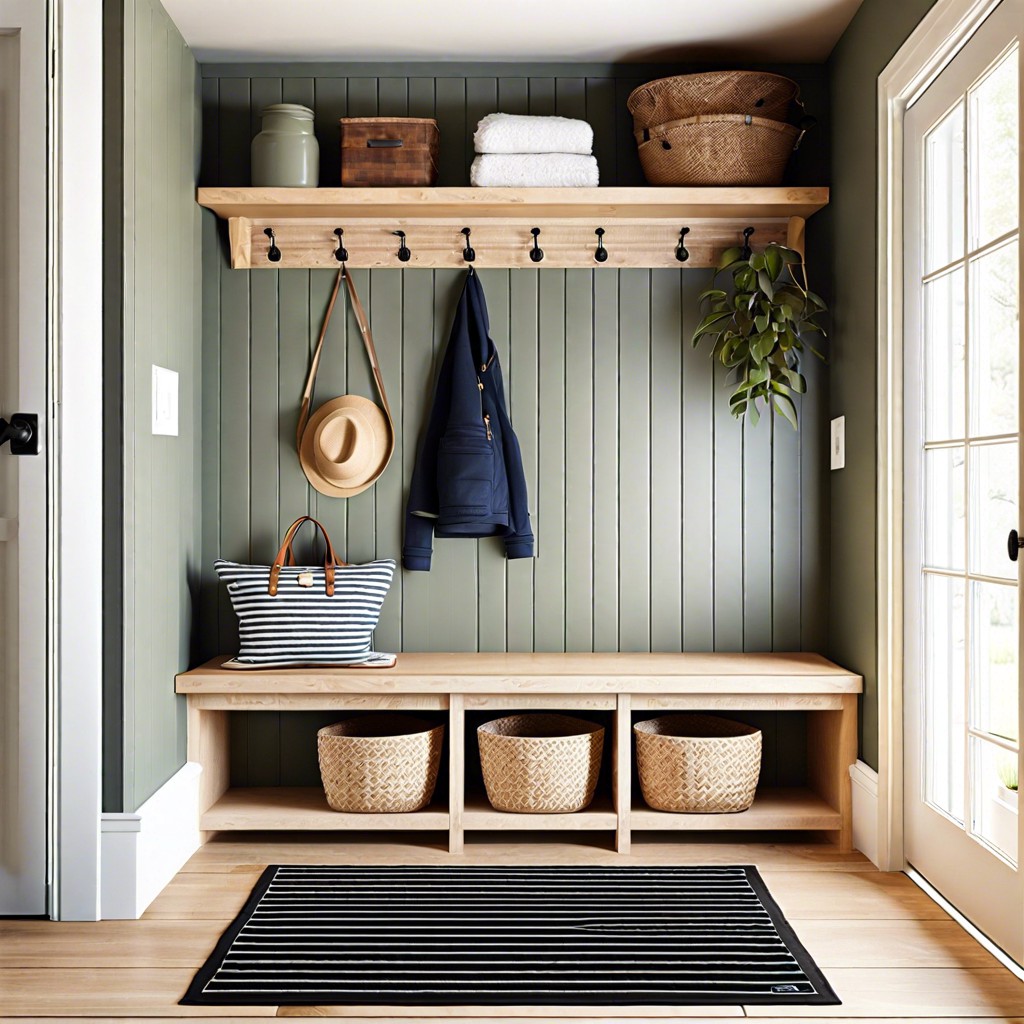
x: 483, y: 936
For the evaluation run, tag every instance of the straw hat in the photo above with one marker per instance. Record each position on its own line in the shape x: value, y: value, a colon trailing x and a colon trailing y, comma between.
x: 346, y: 445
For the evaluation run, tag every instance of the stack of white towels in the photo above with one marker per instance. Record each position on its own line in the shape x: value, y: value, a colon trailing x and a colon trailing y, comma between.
x: 522, y: 151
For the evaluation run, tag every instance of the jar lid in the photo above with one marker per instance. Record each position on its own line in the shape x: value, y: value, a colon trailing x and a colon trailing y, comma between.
x: 291, y: 109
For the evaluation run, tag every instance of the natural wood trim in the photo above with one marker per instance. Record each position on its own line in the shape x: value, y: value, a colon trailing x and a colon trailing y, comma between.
x: 773, y: 809
x: 319, y: 701
x: 622, y: 770
x: 456, y: 773
x: 481, y: 817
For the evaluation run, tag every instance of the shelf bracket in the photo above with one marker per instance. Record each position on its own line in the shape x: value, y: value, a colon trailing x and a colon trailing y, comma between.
x: 795, y: 234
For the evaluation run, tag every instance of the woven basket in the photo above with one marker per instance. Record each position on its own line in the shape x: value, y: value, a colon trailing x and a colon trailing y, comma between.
x: 697, y: 763
x: 383, y: 763
x: 717, y: 149
x: 540, y: 764
x: 712, y: 92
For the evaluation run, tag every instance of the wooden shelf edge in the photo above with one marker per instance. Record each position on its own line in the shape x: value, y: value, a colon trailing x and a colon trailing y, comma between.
x: 480, y: 816
x: 305, y: 809
x: 773, y: 809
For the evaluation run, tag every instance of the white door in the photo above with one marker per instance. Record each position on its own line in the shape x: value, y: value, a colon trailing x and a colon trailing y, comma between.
x: 24, y: 85
x: 962, y: 463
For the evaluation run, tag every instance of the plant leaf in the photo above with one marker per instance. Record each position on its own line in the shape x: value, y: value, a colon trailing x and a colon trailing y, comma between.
x: 785, y: 405
x: 729, y: 257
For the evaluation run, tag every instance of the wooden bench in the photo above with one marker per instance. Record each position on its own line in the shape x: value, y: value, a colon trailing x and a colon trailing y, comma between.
x: 456, y: 683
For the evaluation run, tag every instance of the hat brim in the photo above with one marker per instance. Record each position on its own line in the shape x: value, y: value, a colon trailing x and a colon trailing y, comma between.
x: 379, y: 424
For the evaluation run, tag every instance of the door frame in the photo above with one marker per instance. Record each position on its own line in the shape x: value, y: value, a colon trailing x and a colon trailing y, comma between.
x: 936, y: 41
x: 76, y: 456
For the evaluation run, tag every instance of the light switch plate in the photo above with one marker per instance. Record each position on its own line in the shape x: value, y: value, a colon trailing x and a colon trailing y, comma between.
x: 165, y: 401
x: 837, y: 446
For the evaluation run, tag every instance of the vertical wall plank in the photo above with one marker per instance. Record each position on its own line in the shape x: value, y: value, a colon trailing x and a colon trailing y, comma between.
x: 666, y: 459
x: 606, y: 460
x: 602, y: 115
x: 757, y: 535
x: 785, y: 539
x: 698, y: 566
x: 481, y: 100
x: 421, y: 97
x: 549, y: 528
x: 634, y: 489
x: 330, y: 102
x: 393, y: 97
x: 571, y: 97
x: 450, y: 106
x: 491, y: 559
x: 579, y: 456
x: 628, y: 169
x: 523, y: 409
x: 542, y: 96
x: 514, y: 95
x: 729, y: 539
x: 814, y: 543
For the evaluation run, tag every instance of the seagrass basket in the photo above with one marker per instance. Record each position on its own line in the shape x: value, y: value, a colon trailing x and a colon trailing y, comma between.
x: 712, y: 92
x: 697, y: 763
x: 717, y: 149
x: 382, y: 763
x: 540, y: 763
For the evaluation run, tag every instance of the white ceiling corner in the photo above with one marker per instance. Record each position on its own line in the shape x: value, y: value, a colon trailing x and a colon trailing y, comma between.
x: 521, y: 30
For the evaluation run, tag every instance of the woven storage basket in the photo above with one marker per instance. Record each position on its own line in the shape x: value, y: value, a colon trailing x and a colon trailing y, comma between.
x: 382, y: 763
x: 717, y: 149
x: 712, y: 92
x: 540, y: 764
x: 697, y: 763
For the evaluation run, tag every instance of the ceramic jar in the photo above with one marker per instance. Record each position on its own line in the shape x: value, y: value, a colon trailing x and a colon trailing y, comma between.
x: 286, y: 154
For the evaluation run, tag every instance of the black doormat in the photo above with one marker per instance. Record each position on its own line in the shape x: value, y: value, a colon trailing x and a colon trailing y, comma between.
x: 482, y: 936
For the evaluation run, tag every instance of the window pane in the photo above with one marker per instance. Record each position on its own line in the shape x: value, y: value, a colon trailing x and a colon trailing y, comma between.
x: 944, y: 190
x: 995, y: 336
x: 994, y: 658
x: 994, y: 161
x: 945, y: 529
x: 944, y: 357
x: 994, y: 797
x: 944, y: 694
x: 994, y: 470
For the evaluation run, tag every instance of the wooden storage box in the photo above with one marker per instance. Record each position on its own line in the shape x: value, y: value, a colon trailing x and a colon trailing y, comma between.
x: 389, y: 151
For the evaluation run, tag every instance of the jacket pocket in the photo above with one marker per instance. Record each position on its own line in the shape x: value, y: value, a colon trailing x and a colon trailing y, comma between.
x: 465, y: 475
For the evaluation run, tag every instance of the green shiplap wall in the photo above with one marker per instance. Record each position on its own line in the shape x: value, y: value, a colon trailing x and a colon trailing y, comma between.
x: 661, y: 523
x: 877, y: 31
x: 160, y: 313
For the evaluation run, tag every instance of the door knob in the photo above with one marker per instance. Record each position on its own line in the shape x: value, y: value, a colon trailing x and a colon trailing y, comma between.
x: 22, y: 432
x: 1013, y: 545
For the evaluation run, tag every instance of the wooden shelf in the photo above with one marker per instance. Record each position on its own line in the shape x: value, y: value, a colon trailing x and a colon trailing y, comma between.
x: 773, y: 809
x: 301, y: 809
x: 641, y: 224
x: 479, y: 815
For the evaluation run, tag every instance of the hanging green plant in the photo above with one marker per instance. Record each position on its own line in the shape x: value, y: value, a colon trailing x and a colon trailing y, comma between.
x: 761, y: 328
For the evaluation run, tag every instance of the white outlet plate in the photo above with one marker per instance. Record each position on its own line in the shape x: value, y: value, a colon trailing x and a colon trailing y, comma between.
x: 837, y: 445
x: 165, y: 401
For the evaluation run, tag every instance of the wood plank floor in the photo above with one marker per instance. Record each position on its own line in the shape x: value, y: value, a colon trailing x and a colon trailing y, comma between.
x: 891, y: 954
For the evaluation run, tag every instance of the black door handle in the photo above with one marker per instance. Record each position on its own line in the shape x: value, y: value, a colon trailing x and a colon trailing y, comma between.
x: 1013, y: 545
x: 22, y: 432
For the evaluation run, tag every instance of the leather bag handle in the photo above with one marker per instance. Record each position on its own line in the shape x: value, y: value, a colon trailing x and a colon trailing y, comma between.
x: 371, y: 352
x: 285, y: 556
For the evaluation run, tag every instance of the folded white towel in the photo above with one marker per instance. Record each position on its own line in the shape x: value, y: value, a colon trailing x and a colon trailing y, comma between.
x: 521, y: 133
x: 530, y: 170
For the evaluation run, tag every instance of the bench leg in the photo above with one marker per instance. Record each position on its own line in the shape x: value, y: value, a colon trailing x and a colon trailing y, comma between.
x: 831, y: 749
x: 209, y: 746
x: 622, y: 771
x: 456, y: 771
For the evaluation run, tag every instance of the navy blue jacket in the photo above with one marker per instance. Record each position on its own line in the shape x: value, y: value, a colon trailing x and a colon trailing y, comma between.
x: 468, y: 480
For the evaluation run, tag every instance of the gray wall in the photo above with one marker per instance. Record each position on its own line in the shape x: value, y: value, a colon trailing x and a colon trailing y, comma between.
x: 875, y: 34
x: 661, y: 523
x: 153, y: 309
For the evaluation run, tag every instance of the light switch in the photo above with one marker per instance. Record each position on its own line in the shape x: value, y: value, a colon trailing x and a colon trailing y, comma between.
x: 165, y: 401
x: 837, y: 448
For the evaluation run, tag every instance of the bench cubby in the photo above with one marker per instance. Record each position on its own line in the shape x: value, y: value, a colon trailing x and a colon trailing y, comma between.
x: 466, y: 689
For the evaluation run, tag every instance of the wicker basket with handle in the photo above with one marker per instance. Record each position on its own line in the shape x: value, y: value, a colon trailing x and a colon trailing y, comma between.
x: 712, y: 92
x: 540, y: 763
x: 380, y: 763
x: 697, y: 763
x: 717, y: 149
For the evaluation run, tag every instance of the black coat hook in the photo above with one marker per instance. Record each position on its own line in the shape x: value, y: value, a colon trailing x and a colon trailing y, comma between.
x: 469, y: 253
x: 273, y: 253
x: 600, y: 253
x: 682, y: 253
x: 341, y: 253
x: 536, y: 253
x: 403, y: 250
x: 745, y: 253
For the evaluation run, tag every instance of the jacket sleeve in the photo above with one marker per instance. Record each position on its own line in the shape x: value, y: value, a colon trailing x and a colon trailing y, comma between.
x: 421, y: 510
x: 519, y: 539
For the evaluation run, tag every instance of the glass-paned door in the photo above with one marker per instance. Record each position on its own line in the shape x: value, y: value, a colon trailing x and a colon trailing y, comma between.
x: 962, y: 462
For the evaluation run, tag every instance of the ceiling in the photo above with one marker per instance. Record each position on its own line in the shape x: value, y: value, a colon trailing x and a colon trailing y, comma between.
x: 523, y: 30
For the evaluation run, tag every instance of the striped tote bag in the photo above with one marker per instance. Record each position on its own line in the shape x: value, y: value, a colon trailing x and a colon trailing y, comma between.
x: 307, y: 615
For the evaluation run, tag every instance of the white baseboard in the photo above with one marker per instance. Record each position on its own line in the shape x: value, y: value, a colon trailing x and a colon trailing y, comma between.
x: 865, y: 810
x: 142, y: 851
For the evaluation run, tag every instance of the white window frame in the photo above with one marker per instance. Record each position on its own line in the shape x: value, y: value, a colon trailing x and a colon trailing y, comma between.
x: 936, y: 41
